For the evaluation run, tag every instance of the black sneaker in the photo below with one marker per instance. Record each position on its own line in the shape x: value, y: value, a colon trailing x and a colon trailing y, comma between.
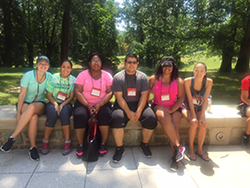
x: 174, y: 166
x: 145, y: 150
x: 118, y: 154
x: 33, y: 153
x: 8, y: 145
x: 245, y: 141
x: 79, y: 151
x: 179, y: 151
x: 103, y: 149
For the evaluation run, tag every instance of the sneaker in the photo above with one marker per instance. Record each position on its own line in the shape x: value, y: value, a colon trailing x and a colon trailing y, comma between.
x: 67, y: 148
x: 79, y: 151
x: 174, y: 166
x: 245, y: 141
x: 33, y: 153
x: 119, y: 152
x: 145, y: 150
x: 103, y: 149
x: 8, y: 145
x: 45, y: 148
x: 179, y: 153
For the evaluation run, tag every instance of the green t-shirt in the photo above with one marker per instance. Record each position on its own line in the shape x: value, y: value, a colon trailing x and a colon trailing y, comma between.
x: 56, y: 83
x: 33, y: 87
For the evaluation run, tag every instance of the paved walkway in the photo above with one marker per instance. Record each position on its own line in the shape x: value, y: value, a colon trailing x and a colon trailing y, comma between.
x: 229, y: 167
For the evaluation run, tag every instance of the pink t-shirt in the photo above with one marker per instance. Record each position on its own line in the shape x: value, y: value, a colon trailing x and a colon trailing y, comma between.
x: 89, y: 84
x: 165, y: 95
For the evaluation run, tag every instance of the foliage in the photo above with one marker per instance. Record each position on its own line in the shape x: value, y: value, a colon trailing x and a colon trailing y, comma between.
x: 179, y: 28
x: 34, y: 27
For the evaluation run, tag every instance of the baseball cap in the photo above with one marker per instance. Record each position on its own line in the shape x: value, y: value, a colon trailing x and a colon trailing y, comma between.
x: 42, y: 58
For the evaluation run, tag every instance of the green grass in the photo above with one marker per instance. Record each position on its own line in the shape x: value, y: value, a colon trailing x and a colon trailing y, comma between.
x: 226, y: 87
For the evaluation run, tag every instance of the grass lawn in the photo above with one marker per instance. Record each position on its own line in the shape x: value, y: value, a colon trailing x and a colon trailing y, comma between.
x: 226, y: 87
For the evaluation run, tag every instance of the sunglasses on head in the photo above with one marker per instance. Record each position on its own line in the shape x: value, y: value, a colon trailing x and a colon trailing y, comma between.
x: 131, y: 62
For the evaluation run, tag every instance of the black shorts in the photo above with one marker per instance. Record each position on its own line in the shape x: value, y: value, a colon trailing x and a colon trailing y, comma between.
x: 120, y: 119
x: 81, y: 115
x: 178, y: 110
x: 44, y: 103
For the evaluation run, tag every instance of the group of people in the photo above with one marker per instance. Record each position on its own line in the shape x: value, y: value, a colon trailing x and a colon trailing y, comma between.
x: 93, y: 89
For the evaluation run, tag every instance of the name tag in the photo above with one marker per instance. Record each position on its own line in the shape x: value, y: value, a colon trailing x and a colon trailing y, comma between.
x: 61, y: 96
x: 131, y: 92
x: 165, y: 97
x: 96, y: 92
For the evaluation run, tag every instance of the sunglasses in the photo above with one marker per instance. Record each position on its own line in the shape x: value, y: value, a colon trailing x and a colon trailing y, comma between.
x: 132, y: 62
x: 98, y: 62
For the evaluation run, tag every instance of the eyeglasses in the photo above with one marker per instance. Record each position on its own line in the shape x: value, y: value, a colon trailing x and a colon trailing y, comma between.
x: 98, y: 62
x: 131, y: 62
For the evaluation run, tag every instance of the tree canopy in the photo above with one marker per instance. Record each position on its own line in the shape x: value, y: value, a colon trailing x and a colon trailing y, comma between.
x: 154, y: 28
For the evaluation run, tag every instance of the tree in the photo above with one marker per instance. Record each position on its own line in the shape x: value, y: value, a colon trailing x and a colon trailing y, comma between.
x: 65, y: 30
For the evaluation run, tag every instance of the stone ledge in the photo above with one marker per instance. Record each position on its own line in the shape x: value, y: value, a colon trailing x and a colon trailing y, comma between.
x: 225, y: 126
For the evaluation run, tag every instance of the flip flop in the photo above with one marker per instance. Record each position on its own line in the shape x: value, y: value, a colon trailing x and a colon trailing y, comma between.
x: 204, y: 156
x: 191, y: 156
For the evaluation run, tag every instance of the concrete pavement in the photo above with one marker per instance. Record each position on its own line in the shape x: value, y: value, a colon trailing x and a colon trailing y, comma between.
x: 229, y: 167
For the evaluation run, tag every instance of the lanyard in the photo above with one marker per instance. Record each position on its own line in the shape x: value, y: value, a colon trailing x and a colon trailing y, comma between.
x: 166, y: 86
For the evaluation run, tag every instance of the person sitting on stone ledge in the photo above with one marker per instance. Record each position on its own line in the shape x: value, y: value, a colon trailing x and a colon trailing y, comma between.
x: 168, y: 90
x: 93, y: 93
x: 245, y: 105
x: 197, y: 91
x: 31, y: 104
x: 60, y: 89
x: 130, y: 88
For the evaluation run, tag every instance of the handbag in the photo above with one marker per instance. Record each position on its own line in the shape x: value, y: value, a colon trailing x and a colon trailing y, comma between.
x: 92, y: 141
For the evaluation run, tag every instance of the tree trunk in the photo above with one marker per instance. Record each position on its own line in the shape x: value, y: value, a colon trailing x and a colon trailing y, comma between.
x: 226, y: 64
x: 65, y: 31
x: 244, y: 54
x: 7, y: 30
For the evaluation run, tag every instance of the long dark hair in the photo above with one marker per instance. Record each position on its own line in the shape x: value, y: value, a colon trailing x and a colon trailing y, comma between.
x: 167, y: 61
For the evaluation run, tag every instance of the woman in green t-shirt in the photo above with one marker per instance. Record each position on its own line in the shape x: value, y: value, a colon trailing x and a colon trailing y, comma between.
x: 31, y: 104
x: 60, y: 94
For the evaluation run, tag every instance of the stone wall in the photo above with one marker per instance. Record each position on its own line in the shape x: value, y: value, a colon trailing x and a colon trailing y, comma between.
x: 225, y: 126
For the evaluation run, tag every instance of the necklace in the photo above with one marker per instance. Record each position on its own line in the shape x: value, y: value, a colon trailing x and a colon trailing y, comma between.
x: 39, y: 81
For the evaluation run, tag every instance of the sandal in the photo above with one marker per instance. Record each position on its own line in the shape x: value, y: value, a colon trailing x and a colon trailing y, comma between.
x: 191, y: 156
x: 203, y: 156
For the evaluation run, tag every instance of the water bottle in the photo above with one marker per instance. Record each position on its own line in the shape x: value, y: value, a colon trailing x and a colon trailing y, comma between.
x: 209, y: 103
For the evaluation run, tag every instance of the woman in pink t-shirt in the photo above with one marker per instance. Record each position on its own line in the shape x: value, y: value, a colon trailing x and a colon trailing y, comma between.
x: 93, y: 93
x: 168, y: 90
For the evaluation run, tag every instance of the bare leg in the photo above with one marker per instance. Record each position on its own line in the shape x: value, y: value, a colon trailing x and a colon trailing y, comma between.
x: 104, y: 132
x: 32, y: 130
x: 176, y: 117
x: 201, y: 136
x: 166, y: 122
x: 80, y: 135
x: 66, y: 131
x: 192, y: 130
x: 47, y: 132
x: 248, y: 122
x: 27, y: 114
x: 146, y: 135
x: 118, y: 136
